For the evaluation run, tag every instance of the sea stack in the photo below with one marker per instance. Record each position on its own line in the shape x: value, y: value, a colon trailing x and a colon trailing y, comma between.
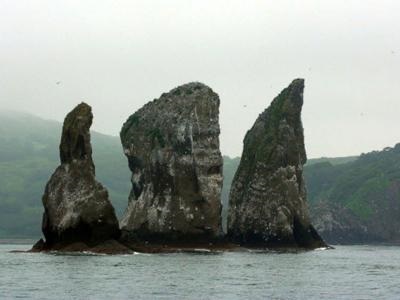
x: 268, y: 205
x: 77, y: 208
x: 172, y: 146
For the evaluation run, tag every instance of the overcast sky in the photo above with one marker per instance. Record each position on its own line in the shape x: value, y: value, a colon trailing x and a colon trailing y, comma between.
x: 118, y: 55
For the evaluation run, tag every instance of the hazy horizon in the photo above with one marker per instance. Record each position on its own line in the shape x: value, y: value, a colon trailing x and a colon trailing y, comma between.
x: 117, y: 56
x: 16, y: 112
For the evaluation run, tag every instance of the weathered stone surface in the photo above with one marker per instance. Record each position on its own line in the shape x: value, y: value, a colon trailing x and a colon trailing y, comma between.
x: 267, y: 203
x: 77, y: 208
x: 172, y: 145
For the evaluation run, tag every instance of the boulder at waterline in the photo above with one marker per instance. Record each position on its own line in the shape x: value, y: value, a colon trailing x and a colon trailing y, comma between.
x: 268, y: 205
x: 172, y: 146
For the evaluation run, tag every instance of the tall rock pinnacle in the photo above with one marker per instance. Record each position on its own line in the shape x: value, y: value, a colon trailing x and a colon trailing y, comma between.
x: 268, y: 204
x: 172, y: 145
x: 77, y: 208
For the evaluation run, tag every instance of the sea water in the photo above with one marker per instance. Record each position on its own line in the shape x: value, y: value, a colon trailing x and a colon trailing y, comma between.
x: 347, y: 272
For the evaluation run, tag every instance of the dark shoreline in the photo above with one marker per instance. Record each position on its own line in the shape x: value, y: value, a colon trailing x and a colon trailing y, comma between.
x: 114, y: 247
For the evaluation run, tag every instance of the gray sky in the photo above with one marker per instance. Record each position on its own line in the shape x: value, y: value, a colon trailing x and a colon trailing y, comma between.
x: 118, y: 55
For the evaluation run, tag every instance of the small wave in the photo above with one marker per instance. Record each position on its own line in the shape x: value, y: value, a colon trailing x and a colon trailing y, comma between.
x: 322, y: 249
x: 76, y: 253
x: 202, y: 250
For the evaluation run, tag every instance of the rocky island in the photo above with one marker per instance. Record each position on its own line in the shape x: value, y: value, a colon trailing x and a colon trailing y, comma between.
x: 78, y: 214
x: 268, y: 203
x: 172, y: 146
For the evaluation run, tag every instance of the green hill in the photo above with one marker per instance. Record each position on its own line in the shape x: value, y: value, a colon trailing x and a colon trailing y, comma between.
x: 358, y: 201
x: 332, y: 160
x: 29, y: 155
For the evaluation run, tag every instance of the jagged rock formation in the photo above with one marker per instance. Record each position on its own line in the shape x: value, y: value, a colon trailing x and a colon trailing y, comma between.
x: 172, y: 145
x: 77, y: 208
x: 267, y: 204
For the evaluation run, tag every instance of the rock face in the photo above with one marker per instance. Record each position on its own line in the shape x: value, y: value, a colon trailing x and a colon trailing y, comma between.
x: 77, y: 208
x: 267, y: 204
x: 172, y: 145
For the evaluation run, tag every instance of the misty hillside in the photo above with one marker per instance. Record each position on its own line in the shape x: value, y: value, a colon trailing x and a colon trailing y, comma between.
x: 29, y: 155
x: 363, y: 196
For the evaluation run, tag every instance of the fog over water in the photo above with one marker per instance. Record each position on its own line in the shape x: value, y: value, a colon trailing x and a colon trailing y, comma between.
x: 118, y: 55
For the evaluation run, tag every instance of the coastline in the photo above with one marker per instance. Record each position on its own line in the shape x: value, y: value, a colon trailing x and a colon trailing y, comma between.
x: 114, y: 247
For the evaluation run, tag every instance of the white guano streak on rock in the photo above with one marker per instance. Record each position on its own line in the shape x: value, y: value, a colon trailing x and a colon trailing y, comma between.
x: 197, y: 119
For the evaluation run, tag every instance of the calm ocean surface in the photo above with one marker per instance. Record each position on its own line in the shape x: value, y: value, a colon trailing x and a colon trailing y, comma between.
x: 348, y: 272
